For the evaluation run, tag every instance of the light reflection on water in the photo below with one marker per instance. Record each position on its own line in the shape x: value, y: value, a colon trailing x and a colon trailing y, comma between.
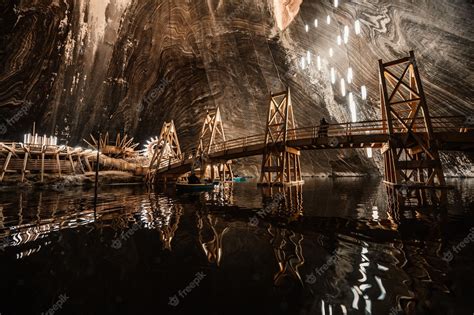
x: 329, y: 247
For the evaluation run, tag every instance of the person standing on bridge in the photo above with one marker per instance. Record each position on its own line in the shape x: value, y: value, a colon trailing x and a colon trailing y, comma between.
x: 323, y: 128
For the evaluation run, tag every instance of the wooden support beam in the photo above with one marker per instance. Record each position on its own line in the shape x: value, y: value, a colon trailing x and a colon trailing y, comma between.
x: 280, y: 164
x: 42, y: 167
x: 59, y: 163
x: 88, y: 164
x: 23, y: 170
x: 71, y: 161
x: 417, y: 165
x: 5, y: 166
x: 410, y: 156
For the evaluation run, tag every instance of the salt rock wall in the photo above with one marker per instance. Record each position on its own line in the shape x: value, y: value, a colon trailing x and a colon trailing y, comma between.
x: 76, y: 67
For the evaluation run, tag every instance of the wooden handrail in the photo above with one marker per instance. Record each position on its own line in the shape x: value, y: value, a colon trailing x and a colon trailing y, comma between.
x: 440, y: 123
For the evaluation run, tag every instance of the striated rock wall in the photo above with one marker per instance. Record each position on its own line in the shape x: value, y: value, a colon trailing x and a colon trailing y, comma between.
x: 130, y: 65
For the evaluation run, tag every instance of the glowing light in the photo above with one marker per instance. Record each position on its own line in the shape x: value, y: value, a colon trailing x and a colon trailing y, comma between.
x: 319, y: 62
x: 328, y: 20
x: 383, y: 292
x: 331, y: 52
x: 368, y: 305
x: 343, y: 87
x: 363, y: 92
x: 308, y: 57
x: 336, y: 3
x: 339, y: 40
x: 315, y: 22
x: 352, y: 107
x: 357, y: 27
x: 369, y: 153
x: 303, y: 63
x: 349, y: 75
x: 375, y: 210
x: 333, y: 75
x: 346, y: 34
x: 355, y: 302
x: 306, y: 27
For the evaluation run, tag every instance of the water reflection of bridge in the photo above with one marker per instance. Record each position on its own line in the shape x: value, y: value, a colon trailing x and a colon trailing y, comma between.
x: 296, y: 250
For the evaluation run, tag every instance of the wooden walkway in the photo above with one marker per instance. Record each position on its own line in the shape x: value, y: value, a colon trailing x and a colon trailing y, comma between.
x: 451, y: 134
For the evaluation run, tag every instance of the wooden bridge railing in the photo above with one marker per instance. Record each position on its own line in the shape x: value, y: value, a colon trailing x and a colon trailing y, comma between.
x: 370, y: 127
x: 440, y: 124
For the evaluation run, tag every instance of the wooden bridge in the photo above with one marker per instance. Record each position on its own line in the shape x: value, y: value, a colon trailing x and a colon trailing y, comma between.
x: 408, y: 137
x: 450, y: 132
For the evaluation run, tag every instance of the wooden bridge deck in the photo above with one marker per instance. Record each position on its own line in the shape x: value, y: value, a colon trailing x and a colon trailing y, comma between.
x: 450, y: 134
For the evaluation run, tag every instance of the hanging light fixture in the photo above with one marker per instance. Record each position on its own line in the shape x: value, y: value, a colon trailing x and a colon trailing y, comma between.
x: 328, y: 20
x: 343, y: 87
x: 306, y: 27
x: 357, y: 27
x: 369, y: 153
x: 363, y: 92
x: 331, y: 52
x: 336, y: 3
x: 339, y: 40
x: 319, y: 62
x: 333, y: 75
x: 315, y: 22
x: 352, y: 107
x: 349, y: 75
x: 308, y: 57
x: 346, y: 34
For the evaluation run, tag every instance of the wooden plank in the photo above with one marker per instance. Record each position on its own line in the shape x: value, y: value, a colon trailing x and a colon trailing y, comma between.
x: 42, y: 167
x: 71, y: 161
x: 292, y: 151
x: 23, y: 170
x: 5, y: 166
x: 59, y: 165
x: 395, y: 62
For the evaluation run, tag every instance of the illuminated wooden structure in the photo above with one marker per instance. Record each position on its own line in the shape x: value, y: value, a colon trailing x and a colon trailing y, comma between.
x: 212, y: 132
x: 123, y: 147
x: 166, y: 150
x: 281, y: 163
x: 411, y: 157
x: 42, y: 159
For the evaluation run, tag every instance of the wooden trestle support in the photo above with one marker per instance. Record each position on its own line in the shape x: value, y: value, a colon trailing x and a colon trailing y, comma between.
x: 412, y: 164
x: 28, y: 159
x: 281, y: 164
x: 165, y: 150
x: 212, y: 132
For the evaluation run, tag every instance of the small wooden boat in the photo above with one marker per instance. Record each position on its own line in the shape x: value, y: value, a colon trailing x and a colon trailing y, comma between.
x: 183, y: 186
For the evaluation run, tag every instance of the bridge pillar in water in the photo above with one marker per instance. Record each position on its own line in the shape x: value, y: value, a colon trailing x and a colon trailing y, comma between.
x: 281, y: 164
x: 212, y: 132
x: 412, y: 164
x: 165, y: 150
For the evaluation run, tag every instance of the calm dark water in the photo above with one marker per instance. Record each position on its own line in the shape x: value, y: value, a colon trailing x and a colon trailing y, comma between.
x: 332, y: 247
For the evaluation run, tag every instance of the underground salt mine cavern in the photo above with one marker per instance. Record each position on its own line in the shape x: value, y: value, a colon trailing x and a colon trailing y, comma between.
x: 236, y: 157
